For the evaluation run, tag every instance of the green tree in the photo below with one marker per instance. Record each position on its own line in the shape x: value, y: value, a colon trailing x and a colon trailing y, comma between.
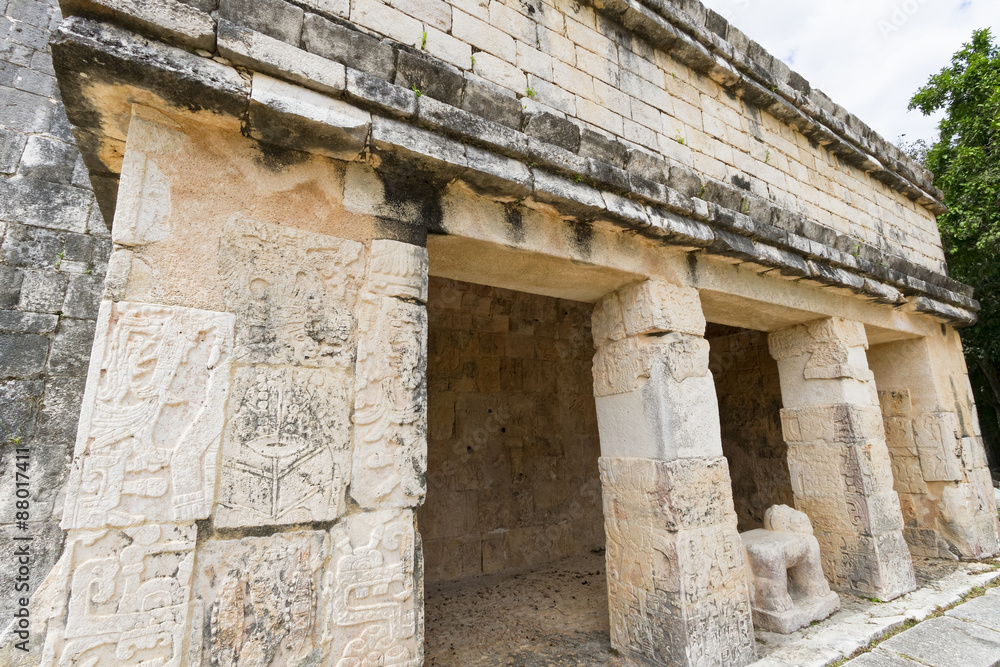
x: 965, y: 163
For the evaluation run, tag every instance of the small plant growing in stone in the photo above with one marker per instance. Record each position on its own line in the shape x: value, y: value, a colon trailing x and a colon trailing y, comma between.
x: 746, y: 206
x: 59, y: 261
x: 531, y: 92
x: 423, y: 42
x: 767, y: 157
x: 417, y: 91
x: 680, y: 139
x: 473, y: 59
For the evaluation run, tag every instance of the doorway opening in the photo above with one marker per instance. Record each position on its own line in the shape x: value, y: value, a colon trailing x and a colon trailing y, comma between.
x: 749, y: 393
x: 512, y: 528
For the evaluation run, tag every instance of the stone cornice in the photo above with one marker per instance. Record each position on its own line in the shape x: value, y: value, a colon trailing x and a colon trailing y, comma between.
x: 704, y: 41
x: 497, y: 160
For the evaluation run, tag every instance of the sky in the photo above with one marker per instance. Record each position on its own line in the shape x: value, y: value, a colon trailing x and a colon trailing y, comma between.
x: 870, y: 56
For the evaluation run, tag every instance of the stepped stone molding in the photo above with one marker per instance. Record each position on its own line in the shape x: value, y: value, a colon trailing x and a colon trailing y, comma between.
x: 488, y: 153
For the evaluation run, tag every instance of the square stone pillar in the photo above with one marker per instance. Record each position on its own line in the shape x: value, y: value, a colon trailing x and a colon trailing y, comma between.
x: 678, y: 582
x: 838, y: 459
x: 252, y: 443
x: 938, y: 458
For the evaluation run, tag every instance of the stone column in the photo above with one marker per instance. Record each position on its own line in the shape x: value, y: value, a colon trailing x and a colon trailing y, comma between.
x: 678, y: 583
x: 938, y: 458
x: 838, y: 459
x: 253, y: 438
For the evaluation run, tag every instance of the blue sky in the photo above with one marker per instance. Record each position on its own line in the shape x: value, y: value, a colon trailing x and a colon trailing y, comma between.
x: 868, y: 55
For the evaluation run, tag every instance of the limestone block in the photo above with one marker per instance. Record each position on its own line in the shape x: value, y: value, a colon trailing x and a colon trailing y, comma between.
x: 287, y: 448
x: 175, y: 21
x: 790, y: 591
x: 939, y: 446
x: 374, y: 587
x: 142, y: 214
x: 682, y: 494
x: 652, y: 306
x: 122, y: 597
x: 294, y: 294
x: 677, y: 575
x: 824, y: 339
x: 625, y: 365
x: 152, y: 417
x: 301, y: 119
x: 662, y: 420
x: 390, y: 410
x: 841, y: 423
x: 896, y: 402
x: 870, y: 566
x: 266, y: 54
x: 259, y: 600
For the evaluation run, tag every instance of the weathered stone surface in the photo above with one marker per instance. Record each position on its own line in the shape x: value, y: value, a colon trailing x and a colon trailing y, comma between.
x: 947, y: 642
x: 152, y: 417
x: 271, y: 56
x: 260, y: 600
x: 838, y: 459
x: 294, y: 294
x: 121, y: 596
x: 172, y: 20
x: 390, y: 411
x: 671, y: 567
x: 652, y: 306
x: 293, y: 117
x: 278, y: 19
x: 287, y: 449
x: 790, y: 591
x: 374, y: 584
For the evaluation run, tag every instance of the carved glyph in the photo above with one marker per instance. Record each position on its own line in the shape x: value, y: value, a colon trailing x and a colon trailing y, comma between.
x: 260, y: 600
x: 294, y: 294
x: 625, y: 365
x: 677, y: 575
x: 126, y: 596
x: 653, y: 306
x: 373, y: 586
x: 152, y: 417
x: 287, y: 449
x: 390, y: 409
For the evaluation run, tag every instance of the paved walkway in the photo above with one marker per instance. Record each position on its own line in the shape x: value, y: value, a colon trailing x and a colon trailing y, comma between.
x: 966, y: 636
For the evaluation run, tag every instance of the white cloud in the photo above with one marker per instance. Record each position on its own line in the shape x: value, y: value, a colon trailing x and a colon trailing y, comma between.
x: 870, y: 56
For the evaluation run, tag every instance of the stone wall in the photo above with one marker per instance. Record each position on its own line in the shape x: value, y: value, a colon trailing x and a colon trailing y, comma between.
x: 591, y: 85
x: 52, y: 262
x: 746, y: 381
x: 512, y: 478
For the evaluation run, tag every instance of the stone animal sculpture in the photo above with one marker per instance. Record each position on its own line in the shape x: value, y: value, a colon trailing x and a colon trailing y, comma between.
x: 789, y: 590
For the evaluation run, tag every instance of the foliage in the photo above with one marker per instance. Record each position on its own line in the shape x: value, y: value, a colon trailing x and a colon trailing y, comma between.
x: 965, y: 161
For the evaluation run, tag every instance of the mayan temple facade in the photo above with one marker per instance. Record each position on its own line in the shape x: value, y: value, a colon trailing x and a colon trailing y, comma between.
x: 403, y: 291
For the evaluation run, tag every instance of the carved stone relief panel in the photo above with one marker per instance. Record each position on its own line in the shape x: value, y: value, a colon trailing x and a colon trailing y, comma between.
x: 652, y: 306
x: 374, y: 589
x: 939, y: 446
x: 260, y: 600
x: 677, y: 575
x: 294, y: 294
x: 152, y: 417
x: 125, y: 597
x: 287, y: 449
x: 390, y: 408
x: 625, y: 365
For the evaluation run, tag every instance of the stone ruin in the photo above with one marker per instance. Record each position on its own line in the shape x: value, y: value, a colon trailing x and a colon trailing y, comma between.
x: 371, y: 252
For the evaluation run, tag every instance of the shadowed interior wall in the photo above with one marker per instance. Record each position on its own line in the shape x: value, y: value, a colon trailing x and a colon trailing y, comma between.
x: 512, y: 479
x: 746, y: 381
